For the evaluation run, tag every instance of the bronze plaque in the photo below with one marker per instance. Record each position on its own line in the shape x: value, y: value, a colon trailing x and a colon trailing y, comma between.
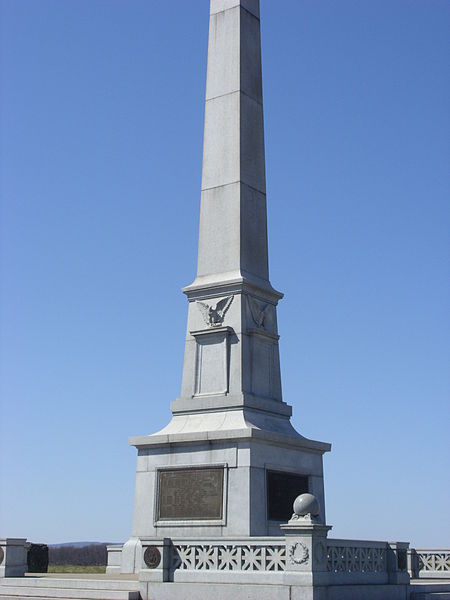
x: 152, y: 557
x: 186, y: 494
x: 282, y: 489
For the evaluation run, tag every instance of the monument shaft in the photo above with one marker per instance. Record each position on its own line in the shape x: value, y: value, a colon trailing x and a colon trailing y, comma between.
x: 233, y: 231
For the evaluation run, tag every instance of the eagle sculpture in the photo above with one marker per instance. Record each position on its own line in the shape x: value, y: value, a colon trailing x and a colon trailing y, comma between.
x: 215, y: 316
x: 259, y: 312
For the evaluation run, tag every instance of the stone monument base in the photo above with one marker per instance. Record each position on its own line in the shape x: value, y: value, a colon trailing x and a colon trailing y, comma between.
x: 232, y: 479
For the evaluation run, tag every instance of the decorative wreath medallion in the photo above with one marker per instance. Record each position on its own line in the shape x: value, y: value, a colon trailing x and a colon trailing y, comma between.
x: 299, y: 553
x: 2, y: 555
x: 152, y: 557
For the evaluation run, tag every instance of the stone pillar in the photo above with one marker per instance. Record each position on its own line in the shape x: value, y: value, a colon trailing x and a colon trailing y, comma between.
x: 306, y: 547
x: 413, y: 564
x: 397, y: 562
x: 114, y: 559
x: 131, y: 558
x: 13, y: 557
x: 306, y: 551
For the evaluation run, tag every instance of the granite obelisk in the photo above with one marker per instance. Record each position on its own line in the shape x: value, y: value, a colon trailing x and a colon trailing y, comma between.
x: 229, y: 463
x: 232, y: 273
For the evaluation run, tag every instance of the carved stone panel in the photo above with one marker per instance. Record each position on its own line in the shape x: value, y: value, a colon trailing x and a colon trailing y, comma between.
x: 191, y: 494
x: 211, y: 362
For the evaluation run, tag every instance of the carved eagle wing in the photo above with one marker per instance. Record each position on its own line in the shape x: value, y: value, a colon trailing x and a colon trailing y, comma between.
x: 223, y: 305
x: 258, y: 314
x: 204, y: 309
x: 265, y: 312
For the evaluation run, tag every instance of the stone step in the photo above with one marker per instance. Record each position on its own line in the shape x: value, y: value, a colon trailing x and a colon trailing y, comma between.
x: 430, y: 590
x: 71, y: 582
x: 77, y: 594
x: 20, y: 593
x: 431, y: 596
x: 68, y: 589
x: 96, y: 597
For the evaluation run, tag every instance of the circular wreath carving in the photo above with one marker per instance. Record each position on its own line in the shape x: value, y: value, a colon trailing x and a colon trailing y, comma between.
x: 299, y: 553
x: 2, y: 555
x: 152, y: 557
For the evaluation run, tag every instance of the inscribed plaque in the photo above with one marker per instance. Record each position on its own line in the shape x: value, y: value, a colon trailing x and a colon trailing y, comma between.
x: 282, y: 489
x: 191, y: 494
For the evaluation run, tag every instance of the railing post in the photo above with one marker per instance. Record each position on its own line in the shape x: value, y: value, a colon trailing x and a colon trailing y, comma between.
x: 397, y: 562
x: 131, y: 556
x: 13, y: 557
x: 155, y: 568
x: 114, y: 561
x: 413, y: 563
x: 306, y: 544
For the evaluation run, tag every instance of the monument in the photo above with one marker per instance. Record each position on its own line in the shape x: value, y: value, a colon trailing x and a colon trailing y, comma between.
x: 229, y: 463
x: 229, y: 499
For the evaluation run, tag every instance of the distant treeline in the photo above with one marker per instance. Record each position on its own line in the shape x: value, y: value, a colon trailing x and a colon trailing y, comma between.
x: 93, y: 554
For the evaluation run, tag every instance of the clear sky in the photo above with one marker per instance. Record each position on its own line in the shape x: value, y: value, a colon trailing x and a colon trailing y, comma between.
x: 101, y: 141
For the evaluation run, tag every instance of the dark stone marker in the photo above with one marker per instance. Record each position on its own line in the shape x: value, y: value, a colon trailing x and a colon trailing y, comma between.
x: 188, y: 494
x: 37, y: 558
x: 282, y: 489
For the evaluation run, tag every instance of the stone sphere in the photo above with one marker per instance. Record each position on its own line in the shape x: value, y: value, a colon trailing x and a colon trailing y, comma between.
x: 306, y: 504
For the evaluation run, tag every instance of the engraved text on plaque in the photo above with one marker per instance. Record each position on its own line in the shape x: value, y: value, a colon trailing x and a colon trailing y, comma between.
x: 282, y: 490
x: 186, y: 494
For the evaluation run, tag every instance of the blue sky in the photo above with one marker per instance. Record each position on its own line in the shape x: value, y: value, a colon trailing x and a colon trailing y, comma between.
x: 101, y: 143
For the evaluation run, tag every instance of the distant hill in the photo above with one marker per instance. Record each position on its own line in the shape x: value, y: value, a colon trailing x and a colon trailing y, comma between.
x: 78, y: 553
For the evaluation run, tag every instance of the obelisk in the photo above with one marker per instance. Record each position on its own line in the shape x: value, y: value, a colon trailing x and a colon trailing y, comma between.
x: 231, y: 357
x: 229, y: 463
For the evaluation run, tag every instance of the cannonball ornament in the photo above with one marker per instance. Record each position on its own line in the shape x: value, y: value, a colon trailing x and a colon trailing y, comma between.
x: 306, y: 504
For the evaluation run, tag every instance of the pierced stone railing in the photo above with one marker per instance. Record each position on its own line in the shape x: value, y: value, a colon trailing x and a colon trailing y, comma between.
x: 429, y: 563
x: 358, y: 561
x: 253, y: 554
x: 271, y: 559
x: 356, y: 558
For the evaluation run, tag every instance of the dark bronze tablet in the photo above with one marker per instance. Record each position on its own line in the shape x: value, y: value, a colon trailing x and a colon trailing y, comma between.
x: 186, y: 494
x: 282, y: 489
